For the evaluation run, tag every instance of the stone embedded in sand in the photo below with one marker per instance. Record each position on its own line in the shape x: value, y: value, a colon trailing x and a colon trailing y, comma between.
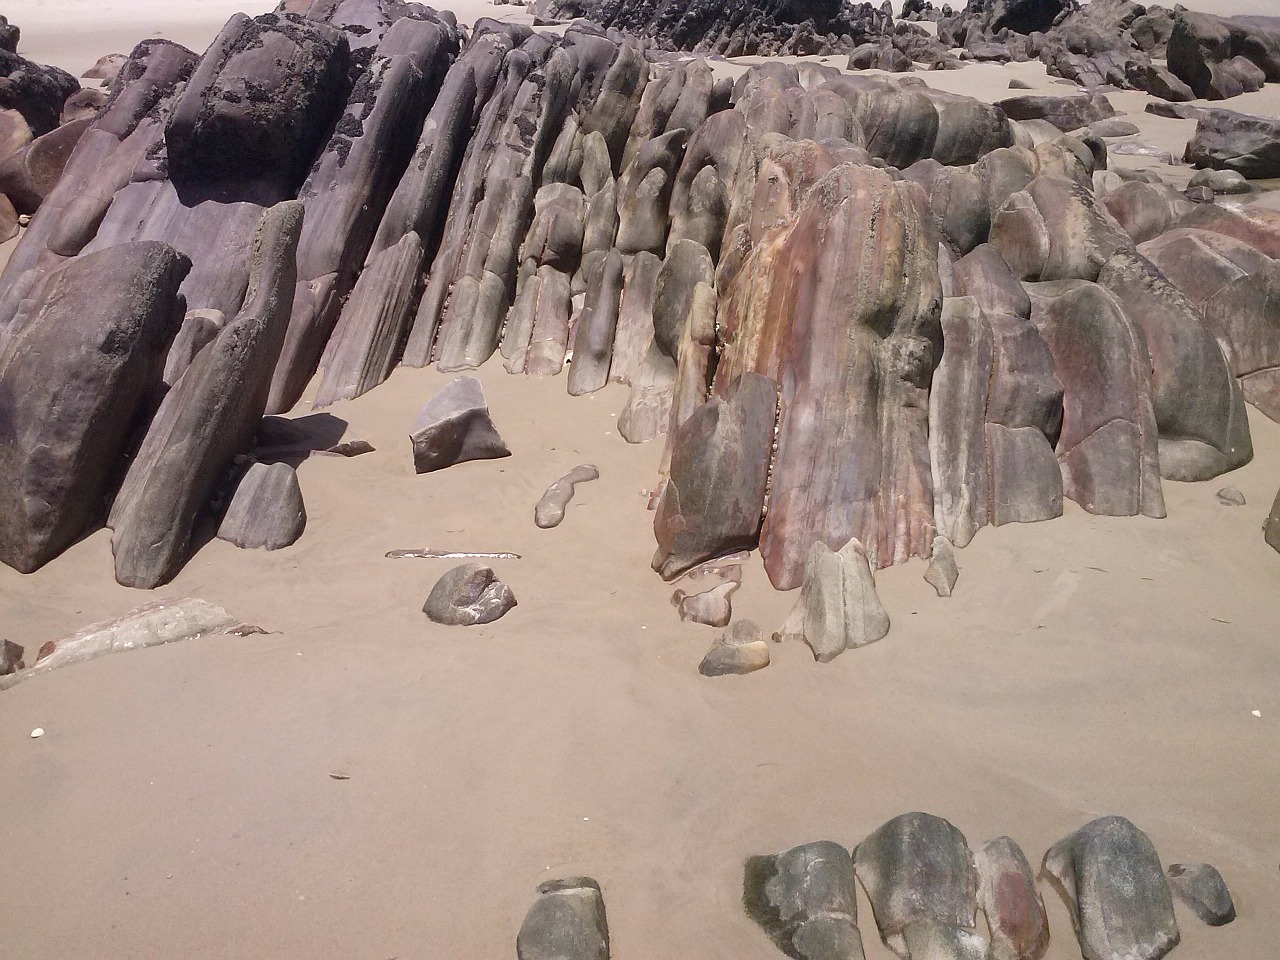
x: 455, y: 427
x: 1146, y: 210
x: 566, y: 922
x: 1220, y: 181
x: 266, y: 510
x: 79, y: 374
x: 942, y: 572
x: 712, y: 607
x: 838, y: 608
x: 468, y: 594
x: 36, y: 91
x: 1230, y: 497
x: 741, y: 650
x: 805, y: 898
x: 11, y: 658
x: 1226, y: 140
x: 1007, y: 895
x: 917, y: 867
x: 1201, y: 887
x: 1110, y: 875
x: 550, y: 509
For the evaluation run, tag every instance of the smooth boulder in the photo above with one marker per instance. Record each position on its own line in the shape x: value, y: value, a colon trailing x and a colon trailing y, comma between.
x: 566, y: 922
x: 467, y: 595
x: 266, y: 511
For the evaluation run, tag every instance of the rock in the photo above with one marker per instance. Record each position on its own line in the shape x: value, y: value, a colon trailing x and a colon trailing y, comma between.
x: 838, y: 608
x: 742, y: 649
x: 711, y: 607
x: 208, y: 418
x: 82, y: 105
x: 566, y: 922
x: 1201, y: 887
x: 350, y: 448
x: 11, y: 658
x: 106, y: 68
x: 1065, y: 113
x: 152, y: 624
x: 467, y: 595
x: 1110, y: 876
x: 550, y: 509
x: 1113, y: 127
x: 1243, y: 315
x: 198, y: 330
x: 805, y: 899
x: 942, y: 572
x: 928, y: 939
x: 1220, y: 181
x: 37, y: 92
x: 266, y: 510
x: 1146, y: 210
x: 1271, y: 527
x: 455, y: 427
x: 917, y: 867
x: 1055, y: 230
x: 79, y: 374
x: 1016, y: 84
x: 1230, y: 497
x: 1226, y: 140
x: 1222, y: 58
x: 714, y: 497
x: 1007, y: 895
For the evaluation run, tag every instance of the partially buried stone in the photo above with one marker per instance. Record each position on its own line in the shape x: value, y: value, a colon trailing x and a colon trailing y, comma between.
x: 467, y: 595
x: 550, y: 509
x: 943, y: 572
x: 566, y: 922
x: 712, y: 607
x: 266, y: 510
x: 838, y: 608
x: 1201, y: 887
x: 455, y: 427
x: 1271, y: 528
x: 742, y: 649
x: 1220, y: 181
x: 806, y: 900
x: 1231, y: 497
x: 10, y: 658
x: 1008, y: 896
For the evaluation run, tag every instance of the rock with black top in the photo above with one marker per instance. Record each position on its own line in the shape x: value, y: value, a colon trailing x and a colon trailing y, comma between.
x: 566, y: 922
x: 1226, y: 140
x: 266, y: 511
x: 467, y: 595
x: 455, y: 427
x: 37, y: 92
x: 1201, y: 887
x: 805, y: 899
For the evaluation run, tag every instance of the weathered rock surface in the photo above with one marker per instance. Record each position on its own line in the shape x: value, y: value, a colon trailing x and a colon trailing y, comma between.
x: 566, y: 922
x: 36, y: 91
x: 1201, y: 887
x: 1226, y: 140
x: 806, y: 901
x: 942, y: 572
x: 712, y: 607
x: 467, y: 595
x: 1219, y: 58
x: 1007, y: 895
x: 1056, y: 229
x: 266, y: 511
x: 1065, y: 113
x: 455, y: 427
x: 1110, y: 876
x: 551, y: 507
x: 742, y: 649
x: 838, y: 608
x: 1243, y: 315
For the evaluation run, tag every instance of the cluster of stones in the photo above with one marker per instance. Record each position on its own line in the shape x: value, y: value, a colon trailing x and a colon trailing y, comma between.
x: 773, y: 266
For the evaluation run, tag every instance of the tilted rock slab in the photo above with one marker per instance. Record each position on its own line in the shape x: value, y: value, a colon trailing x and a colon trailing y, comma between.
x: 266, y: 511
x: 806, y: 899
x: 838, y: 608
x: 566, y: 922
x: 455, y: 427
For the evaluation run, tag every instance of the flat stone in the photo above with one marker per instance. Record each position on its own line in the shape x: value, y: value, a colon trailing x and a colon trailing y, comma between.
x: 566, y: 922
x: 1113, y: 127
x: 711, y: 607
x: 455, y: 427
x: 551, y: 507
x: 468, y: 594
x: 742, y: 649
x: 1230, y: 497
x: 942, y: 572
x: 1201, y: 887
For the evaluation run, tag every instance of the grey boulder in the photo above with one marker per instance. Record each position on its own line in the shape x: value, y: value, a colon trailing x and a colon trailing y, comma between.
x: 1201, y: 887
x: 455, y: 427
x: 838, y: 608
x: 467, y: 595
x: 806, y: 901
x: 266, y: 510
x: 566, y: 922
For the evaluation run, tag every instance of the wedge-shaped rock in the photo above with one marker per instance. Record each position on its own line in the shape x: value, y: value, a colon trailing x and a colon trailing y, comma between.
x: 1245, y: 315
x: 714, y: 497
x: 266, y: 511
x: 805, y: 899
x: 713, y: 607
x: 566, y: 922
x: 1271, y: 526
x: 917, y: 867
x: 1007, y: 895
x: 550, y: 509
x: 742, y: 649
x: 467, y: 595
x: 455, y: 427
x: 75, y: 380
x: 1201, y: 887
x: 838, y: 608
x: 208, y: 418
x: 1110, y: 876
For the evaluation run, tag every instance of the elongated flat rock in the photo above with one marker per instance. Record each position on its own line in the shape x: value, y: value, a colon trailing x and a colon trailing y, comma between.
x: 550, y: 509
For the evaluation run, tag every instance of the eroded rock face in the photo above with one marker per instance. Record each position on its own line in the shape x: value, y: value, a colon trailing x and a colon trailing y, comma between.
x: 1110, y: 874
x: 805, y: 899
x: 1221, y: 58
x: 566, y: 922
x: 455, y: 427
x: 266, y: 511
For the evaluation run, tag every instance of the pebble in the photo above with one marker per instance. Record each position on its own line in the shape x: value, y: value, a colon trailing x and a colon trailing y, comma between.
x: 38, y: 732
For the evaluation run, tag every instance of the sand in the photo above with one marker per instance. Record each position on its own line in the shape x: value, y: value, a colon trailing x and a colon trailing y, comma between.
x: 182, y: 803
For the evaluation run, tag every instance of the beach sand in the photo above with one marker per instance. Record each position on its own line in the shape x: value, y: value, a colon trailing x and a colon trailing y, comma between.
x: 181, y: 802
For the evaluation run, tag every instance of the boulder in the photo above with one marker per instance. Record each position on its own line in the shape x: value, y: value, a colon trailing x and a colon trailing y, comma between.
x: 1222, y: 58
x: 468, y: 594
x: 942, y: 571
x: 1146, y: 210
x: 1243, y: 315
x: 1201, y: 887
x: 566, y: 922
x: 712, y: 607
x: 1220, y: 181
x: 550, y: 508
x: 1007, y: 895
x: 455, y: 427
x: 742, y: 649
x: 1226, y: 140
x: 1065, y: 113
x: 266, y: 511
x: 1110, y: 876
x: 805, y: 899
x: 1056, y: 229
x: 77, y: 377
x: 36, y: 91
x: 838, y: 608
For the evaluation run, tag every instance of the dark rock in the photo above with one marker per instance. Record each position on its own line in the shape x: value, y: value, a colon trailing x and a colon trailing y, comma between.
x: 838, y: 608
x: 1065, y: 113
x: 266, y: 510
x: 1174, y: 111
x: 11, y: 658
x: 805, y: 899
x: 1226, y: 140
x: 77, y: 376
x: 455, y: 427
x: 712, y: 607
x: 917, y: 867
x: 37, y: 92
x: 1201, y: 887
x: 1007, y: 895
x: 1271, y: 528
x: 741, y: 650
x: 1220, y: 181
x: 942, y: 572
x: 1110, y: 876
x: 550, y: 509
x: 467, y: 595
x: 1230, y: 497
x: 566, y: 922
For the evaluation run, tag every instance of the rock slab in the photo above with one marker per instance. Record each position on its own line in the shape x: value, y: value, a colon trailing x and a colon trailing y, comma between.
x: 454, y: 427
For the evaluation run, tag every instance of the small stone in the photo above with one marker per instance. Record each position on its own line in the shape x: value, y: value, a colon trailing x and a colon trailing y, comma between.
x: 566, y: 922
x: 1231, y: 497
x: 468, y: 594
x: 550, y: 509
x: 711, y: 607
x: 266, y: 510
x: 350, y: 448
x: 37, y: 733
x: 942, y: 572
x: 1201, y: 887
x: 455, y: 427
x: 10, y: 658
x: 742, y: 649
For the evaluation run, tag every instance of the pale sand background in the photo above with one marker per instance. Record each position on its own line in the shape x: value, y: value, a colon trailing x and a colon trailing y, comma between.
x: 180, y: 803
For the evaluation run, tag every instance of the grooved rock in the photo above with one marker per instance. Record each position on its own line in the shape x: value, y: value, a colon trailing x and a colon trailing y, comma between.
x: 266, y: 510
x: 566, y: 922
x: 806, y: 901
x: 1110, y: 875
x: 1007, y: 895
x: 550, y: 508
x: 838, y: 608
x: 467, y: 595
x: 77, y: 377
x: 917, y: 867
x: 455, y: 427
